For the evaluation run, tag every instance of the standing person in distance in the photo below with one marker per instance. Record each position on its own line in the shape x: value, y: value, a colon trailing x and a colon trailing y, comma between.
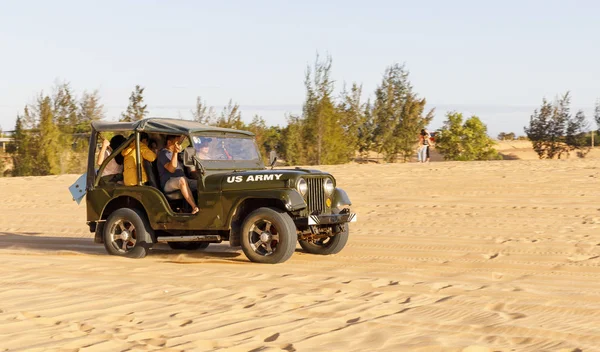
x: 424, y: 143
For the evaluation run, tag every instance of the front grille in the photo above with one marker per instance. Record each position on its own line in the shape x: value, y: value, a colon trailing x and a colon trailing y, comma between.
x: 315, y: 197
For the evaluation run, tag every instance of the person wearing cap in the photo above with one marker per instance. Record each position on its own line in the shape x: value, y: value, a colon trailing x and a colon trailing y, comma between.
x: 203, y: 149
x: 170, y: 172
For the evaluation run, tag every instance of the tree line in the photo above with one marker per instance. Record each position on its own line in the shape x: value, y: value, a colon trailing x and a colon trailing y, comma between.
x: 51, y: 134
x: 332, y: 129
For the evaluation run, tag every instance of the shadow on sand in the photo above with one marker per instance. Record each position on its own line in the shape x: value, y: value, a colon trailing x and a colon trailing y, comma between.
x: 34, y: 242
x: 506, y: 156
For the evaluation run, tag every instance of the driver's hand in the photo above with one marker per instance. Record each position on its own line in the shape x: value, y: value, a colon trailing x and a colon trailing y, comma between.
x: 177, y: 148
x: 105, y: 143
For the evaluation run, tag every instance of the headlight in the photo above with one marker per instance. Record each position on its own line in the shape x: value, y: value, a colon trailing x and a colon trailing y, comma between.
x: 328, y: 185
x: 302, y: 186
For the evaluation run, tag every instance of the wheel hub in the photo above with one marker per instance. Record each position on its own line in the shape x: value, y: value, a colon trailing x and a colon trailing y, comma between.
x: 265, y: 237
x: 125, y: 235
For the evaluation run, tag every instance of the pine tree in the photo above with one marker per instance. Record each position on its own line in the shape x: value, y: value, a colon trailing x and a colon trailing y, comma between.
x: 259, y: 128
x: 334, y: 148
x: 203, y: 114
x: 324, y: 135
x: 23, y: 164
x: 554, y: 132
x: 136, y: 110
x: 353, y: 118
x: 273, y: 139
x: 294, y: 151
x: 576, y: 136
x: 231, y: 117
x: 409, y: 127
x: 65, y: 110
x: 398, y: 115
x: 48, y: 158
x: 366, y: 132
x: 26, y: 145
x: 558, y: 123
x: 537, y: 131
x: 90, y: 109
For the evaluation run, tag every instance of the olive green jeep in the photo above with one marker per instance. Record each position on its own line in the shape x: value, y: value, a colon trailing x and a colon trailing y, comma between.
x: 263, y: 210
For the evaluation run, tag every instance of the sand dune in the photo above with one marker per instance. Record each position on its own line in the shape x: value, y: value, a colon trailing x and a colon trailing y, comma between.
x: 449, y: 256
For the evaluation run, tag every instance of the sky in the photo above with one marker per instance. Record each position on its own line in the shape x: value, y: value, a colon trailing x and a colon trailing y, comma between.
x: 495, y: 60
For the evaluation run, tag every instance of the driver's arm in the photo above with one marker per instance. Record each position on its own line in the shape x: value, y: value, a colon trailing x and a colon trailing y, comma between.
x: 171, y: 166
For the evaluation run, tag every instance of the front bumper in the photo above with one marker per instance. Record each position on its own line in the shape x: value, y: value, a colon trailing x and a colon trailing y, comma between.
x: 331, y: 219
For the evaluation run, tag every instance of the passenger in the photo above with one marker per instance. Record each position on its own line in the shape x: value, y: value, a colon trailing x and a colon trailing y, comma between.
x: 153, y: 145
x: 130, y: 167
x: 171, y: 173
x: 115, y: 166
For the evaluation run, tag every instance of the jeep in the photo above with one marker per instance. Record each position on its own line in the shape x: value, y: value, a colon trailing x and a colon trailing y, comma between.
x: 262, y: 209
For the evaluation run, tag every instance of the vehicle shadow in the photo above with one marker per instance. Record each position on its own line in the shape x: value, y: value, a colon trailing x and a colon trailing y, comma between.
x: 214, y: 251
x: 33, y: 241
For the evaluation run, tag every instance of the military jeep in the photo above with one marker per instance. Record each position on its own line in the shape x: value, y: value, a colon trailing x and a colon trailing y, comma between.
x: 263, y: 210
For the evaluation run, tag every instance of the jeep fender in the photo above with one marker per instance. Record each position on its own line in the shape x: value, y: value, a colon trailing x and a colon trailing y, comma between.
x: 286, y: 199
x: 340, y: 198
x: 290, y: 199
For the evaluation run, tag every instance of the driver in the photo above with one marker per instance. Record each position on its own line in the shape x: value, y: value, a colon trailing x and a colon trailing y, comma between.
x: 171, y: 174
x: 204, y: 149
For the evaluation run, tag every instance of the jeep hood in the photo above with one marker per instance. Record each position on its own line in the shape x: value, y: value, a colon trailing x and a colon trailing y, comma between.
x: 260, y: 179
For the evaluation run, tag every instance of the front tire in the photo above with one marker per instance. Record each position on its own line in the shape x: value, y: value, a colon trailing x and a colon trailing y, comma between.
x: 188, y: 246
x: 126, y: 234
x: 329, y: 245
x: 268, y: 236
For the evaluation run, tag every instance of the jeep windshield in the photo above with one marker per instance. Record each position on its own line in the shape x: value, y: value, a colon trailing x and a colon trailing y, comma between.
x: 225, y: 148
x: 224, y: 152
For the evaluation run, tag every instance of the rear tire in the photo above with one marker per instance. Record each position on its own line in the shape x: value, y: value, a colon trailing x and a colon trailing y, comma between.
x: 268, y: 236
x: 127, y: 234
x: 188, y: 246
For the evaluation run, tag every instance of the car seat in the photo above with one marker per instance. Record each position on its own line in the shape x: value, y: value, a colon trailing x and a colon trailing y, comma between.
x: 175, y: 198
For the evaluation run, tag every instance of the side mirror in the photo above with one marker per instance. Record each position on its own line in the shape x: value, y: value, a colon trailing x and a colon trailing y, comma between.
x: 272, y: 158
x: 191, y: 160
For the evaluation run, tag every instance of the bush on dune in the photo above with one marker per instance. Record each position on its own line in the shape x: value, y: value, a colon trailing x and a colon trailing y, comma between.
x: 465, y: 141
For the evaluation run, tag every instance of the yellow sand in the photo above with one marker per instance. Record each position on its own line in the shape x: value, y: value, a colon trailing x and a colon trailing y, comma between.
x: 446, y: 256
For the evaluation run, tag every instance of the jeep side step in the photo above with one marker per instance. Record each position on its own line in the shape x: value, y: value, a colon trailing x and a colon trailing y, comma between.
x: 197, y: 238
